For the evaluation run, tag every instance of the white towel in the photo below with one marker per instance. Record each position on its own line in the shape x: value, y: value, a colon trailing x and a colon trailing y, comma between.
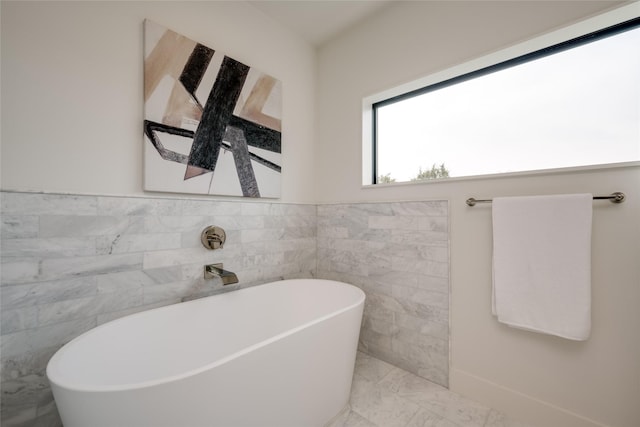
x: 542, y: 263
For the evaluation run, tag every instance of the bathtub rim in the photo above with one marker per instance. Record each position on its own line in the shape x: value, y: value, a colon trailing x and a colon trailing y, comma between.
x: 55, y: 380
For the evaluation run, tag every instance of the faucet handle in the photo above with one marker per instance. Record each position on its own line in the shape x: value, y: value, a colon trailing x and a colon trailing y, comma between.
x: 213, y: 237
x: 215, y: 241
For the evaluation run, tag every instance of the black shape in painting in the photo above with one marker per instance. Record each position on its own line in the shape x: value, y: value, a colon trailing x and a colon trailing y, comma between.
x: 219, y: 127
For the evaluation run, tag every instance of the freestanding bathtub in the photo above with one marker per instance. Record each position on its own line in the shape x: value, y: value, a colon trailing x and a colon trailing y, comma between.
x: 280, y: 354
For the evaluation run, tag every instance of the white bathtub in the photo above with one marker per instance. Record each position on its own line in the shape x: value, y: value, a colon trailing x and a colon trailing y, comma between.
x: 280, y: 354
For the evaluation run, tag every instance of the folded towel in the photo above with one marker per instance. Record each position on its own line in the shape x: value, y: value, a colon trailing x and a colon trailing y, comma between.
x: 542, y: 263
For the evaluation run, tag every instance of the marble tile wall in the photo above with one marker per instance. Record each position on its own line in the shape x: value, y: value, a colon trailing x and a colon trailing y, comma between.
x: 398, y: 253
x: 70, y: 263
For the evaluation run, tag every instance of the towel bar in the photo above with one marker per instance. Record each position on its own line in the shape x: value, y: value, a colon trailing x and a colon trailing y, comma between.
x: 616, y: 197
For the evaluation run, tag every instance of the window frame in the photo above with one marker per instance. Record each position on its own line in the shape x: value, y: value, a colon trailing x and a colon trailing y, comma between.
x: 605, y: 25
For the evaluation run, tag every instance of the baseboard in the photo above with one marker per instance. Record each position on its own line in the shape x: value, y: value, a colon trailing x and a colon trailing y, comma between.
x: 516, y: 405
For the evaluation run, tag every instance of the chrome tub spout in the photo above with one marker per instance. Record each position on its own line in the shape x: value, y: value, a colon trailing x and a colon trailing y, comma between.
x: 215, y: 270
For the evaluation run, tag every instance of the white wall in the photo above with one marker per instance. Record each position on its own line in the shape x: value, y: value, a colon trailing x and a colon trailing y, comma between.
x: 547, y: 380
x: 72, y: 89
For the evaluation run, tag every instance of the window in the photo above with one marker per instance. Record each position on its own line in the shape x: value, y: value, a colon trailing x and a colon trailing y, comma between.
x: 573, y: 104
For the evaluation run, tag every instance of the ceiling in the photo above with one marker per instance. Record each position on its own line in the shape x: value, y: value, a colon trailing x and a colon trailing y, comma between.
x: 318, y: 21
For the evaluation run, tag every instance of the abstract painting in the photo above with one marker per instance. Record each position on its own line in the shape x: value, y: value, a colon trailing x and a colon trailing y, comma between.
x: 212, y: 124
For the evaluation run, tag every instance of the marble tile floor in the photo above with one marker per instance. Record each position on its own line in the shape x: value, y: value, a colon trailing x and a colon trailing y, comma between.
x: 385, y: 396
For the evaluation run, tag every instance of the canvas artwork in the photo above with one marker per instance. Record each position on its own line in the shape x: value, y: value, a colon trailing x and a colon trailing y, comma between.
x: 212, y: 124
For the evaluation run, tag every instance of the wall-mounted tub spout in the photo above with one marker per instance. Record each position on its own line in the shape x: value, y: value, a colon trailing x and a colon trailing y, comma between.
x: 215, y: 270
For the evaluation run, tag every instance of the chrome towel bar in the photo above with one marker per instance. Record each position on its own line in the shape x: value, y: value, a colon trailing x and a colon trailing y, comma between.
x: 616, y: 197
